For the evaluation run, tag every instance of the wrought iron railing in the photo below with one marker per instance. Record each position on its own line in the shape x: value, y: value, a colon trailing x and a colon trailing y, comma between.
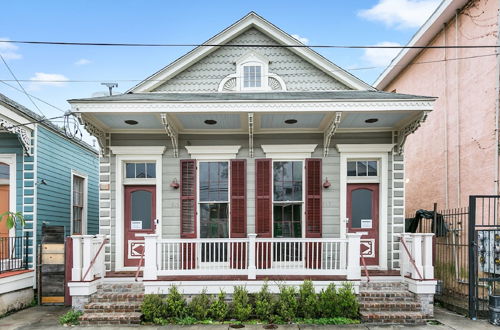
x: 14, y: 253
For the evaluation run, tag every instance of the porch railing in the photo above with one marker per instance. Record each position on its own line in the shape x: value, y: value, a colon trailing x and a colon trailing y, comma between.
x: 416, y: 256
x: 14, y: 253
x: 88, y: 257
x: 252, y: 256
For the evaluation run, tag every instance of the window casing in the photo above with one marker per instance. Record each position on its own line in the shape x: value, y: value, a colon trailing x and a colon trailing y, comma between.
x: 78, y: 204
x: 252, y: 76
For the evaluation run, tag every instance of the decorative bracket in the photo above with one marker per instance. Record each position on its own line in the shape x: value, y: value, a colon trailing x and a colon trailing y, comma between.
x: 407, y: 130
x: 93, y: 130
x: 330, y: 131
x: 22, y: 133
x: 250, y: 135
x: 172, y: 133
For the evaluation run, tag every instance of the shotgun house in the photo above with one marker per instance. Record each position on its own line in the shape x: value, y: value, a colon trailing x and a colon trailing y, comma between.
x: 250, y: 157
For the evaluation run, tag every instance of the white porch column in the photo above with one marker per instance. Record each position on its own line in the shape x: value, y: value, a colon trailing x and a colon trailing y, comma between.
x: 87, y: 256
x: 403, y: 256
x: 353, y: 255
x: 252, y: 269
x: 428, y: 272
x: 150, y: 257
x: 76, y: 271
x: 416, y: 253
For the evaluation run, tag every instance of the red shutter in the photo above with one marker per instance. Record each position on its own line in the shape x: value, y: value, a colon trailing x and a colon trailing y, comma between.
x: 263, y: 197
x: 313, y: 211
x: 238, y: 198
x: 188, y: 198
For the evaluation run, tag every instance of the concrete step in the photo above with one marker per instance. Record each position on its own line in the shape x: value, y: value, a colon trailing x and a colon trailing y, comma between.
x: 383, y: 286
x: 377, y: 306
x: 110, y: 318
x: 116, y: 297
x: 393, y: 317
x: 121, y: 288
x: 113, y: 307
x: 386, y: 296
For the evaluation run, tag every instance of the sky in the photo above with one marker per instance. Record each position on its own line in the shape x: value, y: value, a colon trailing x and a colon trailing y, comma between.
x: 57, y: 73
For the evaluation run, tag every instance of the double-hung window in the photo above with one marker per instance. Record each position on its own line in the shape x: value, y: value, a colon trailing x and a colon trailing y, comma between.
x: 252, y: 76
x: 78, y: 204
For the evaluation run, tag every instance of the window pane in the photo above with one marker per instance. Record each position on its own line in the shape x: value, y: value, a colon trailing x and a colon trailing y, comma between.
x: 141, y: 207
x: 214, y: 181
x: 204, y: 182
x: 151, y: 170
x: 361, y: 168
x: 287, y: 220
x: 257, y: 76
x: 287, y: 181
x: 130, y: 170
x: 4, y: 171
x: 214, y: 220
x: 361, y: 206
x: 372, y: 168
x: 351, y: 168
x: 140, y: 170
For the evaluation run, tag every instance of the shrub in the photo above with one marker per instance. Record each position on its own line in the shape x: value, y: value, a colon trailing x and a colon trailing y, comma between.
x: 264, y: 304
x: 328, y: 306
x: 218, y: 308
x: 153, y: 308
x: 71, y: 317
x: 286, y: 307
x: 308, y: 301
x: 176, y: 304
x: 347, y: 301
x: 199, y: 306
x: 241, y: 306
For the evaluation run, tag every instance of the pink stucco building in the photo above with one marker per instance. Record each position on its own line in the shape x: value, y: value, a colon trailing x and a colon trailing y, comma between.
x: 454, y: 153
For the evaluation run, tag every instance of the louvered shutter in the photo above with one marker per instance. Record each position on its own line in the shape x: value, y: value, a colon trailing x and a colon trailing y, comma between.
x: 188, y: 198
x: 263, y: 197
x: 238, y: 198
x: 313, y: 211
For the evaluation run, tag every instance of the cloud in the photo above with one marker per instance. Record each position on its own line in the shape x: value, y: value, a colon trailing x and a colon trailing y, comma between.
x: 303, y: 40
x: 47, y: 79
x: 381, y: 56
x: 9, y: 50
x: 83, y: 61
x: 401, y: 13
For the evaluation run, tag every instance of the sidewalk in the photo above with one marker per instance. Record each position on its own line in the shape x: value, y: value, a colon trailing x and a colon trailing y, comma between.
x: 46, y: 317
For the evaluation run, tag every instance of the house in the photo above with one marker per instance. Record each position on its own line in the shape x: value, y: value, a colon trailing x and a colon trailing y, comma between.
x: 463, y: 128
x: 53, y: 181
x: 250, y: 157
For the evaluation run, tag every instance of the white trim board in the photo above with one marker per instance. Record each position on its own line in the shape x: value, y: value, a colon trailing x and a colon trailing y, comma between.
x: 288, y: 151
x: 85, y: 201
x: 137, y: 150
x: 213, y: 152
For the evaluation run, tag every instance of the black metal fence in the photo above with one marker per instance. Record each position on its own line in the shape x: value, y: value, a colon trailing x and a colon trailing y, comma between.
x: 14, y: 253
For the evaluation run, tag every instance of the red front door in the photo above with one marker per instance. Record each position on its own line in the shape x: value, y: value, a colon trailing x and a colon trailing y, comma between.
x: 140, y: 213
x: 363, y: 216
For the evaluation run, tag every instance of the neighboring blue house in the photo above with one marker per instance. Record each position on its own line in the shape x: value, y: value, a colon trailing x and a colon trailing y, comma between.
x: 52, y: 180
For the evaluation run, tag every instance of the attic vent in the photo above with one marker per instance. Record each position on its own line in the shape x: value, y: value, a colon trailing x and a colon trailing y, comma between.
x: 275, y: 84
x: 230, y: 85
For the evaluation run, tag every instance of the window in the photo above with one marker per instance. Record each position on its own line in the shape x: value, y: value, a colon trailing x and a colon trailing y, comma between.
x: 140, y: 170
x: 287, y: 198
x: 252, y: 76
x: 362, y: 168
x: 78, y: 204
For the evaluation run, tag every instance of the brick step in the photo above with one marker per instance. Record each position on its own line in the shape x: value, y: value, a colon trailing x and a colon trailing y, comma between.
x: 377, y: 306
x: 386, y: 296
x: 114, y: 297
x: 112, y: 307
x: 393, y: 317
x: 110, y: 318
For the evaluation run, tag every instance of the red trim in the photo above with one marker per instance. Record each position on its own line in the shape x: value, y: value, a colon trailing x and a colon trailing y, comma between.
x: 238, y: 198
x: 188, y: 196
x: 313, y: 198
x: 68, y: 256
x: 263, y: 197
x: 15, y: 272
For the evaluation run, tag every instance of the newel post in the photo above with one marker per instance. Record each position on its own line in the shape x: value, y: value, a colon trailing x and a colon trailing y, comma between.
x: 416, y: 251
x: 76, y: 271
x: 353, y: 256
x: 150, y: 257
x: 427, y: 250
x: 252, y: 269
x: 87, y: 256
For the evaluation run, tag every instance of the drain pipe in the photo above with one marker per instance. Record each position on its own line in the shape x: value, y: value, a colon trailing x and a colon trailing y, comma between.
x: 457, y: 83
x: 446, y: 197
x: 497, y: 106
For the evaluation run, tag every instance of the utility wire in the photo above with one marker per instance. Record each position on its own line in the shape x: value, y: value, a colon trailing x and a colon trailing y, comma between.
x: 112, y: 44
x: 39, y: 121
x: 37, y: 98
x: 14, y: 76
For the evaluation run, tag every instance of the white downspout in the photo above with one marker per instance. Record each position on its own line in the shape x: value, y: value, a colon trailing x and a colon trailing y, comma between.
x: 457, y: 83
x: 446, y: 119
x: 497, y: 106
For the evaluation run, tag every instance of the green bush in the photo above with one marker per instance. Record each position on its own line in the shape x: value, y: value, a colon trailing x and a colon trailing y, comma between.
x: 328, y: 306
x: 176, y: 304
x: 218, y: 308
x: 71, y: 317
x: 347, y: 301
x: 308, y: 301
x: 264, y: 304
x: 241, y: 306
x: 199, y: 306
x: 153, y: 308
x: 286, y: 306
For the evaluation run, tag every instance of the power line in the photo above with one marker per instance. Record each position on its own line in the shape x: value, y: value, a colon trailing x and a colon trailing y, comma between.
x: 113, y: 44
x: 39, y: 121
x: 14, y: 76
x: 37, y: 98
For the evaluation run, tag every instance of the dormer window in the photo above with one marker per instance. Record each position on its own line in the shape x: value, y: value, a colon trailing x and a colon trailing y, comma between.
x: 252, y: 74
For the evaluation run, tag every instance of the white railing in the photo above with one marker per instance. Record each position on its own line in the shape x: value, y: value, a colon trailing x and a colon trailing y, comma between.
x: 252, y: 256
x: 416, y: 256
x: 88, y: 257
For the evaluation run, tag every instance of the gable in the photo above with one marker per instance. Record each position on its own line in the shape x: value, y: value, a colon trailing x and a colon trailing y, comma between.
x: 206, y: 74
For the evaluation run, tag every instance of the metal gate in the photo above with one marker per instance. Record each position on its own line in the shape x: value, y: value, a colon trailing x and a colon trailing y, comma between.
x: 484, y: 252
